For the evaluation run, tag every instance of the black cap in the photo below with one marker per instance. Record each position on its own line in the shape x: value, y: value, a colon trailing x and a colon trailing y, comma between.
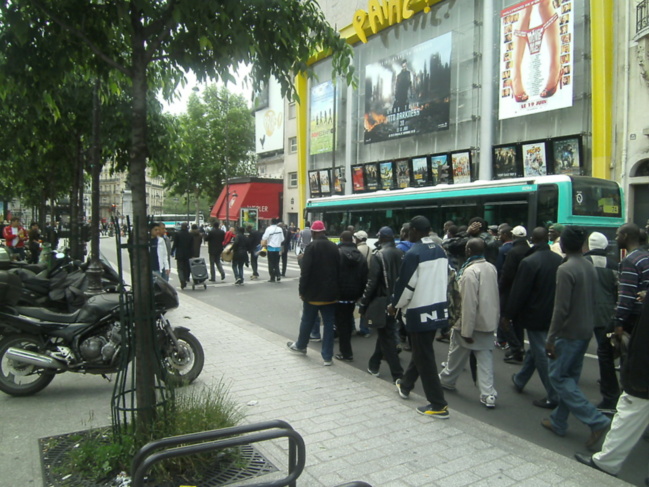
x: 420, y: 223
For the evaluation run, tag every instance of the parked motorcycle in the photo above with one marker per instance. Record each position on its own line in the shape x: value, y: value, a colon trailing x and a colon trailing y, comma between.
x: 38, y: 343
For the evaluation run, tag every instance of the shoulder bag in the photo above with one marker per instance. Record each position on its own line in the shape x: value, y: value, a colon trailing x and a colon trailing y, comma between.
x: 376, y: 313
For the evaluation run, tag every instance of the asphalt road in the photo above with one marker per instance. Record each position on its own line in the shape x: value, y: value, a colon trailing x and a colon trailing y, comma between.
x: 276, y: 306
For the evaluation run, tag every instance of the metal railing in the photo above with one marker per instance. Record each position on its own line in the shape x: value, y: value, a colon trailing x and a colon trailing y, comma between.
x: 206, y: 441
x: 641, y: 16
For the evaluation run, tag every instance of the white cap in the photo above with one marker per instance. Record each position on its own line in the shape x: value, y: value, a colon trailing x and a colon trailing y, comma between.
x: 519, y: 231
x: 360, y: 235
x: 597, y: 240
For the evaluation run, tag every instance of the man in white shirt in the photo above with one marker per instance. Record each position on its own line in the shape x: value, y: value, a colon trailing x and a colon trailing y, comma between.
x: 272, y: 240
x: 159, y: 254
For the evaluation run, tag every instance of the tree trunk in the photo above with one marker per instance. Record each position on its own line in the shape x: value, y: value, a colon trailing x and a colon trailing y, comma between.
x: 140, y: 262
x: 74, y: 239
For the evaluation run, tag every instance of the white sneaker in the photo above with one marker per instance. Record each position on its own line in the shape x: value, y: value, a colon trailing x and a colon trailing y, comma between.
x: 488, y: 401
x: 328, y: 363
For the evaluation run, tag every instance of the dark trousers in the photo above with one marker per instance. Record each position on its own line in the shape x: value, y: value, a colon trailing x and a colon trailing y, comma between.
x: 215, y: 261
x: 184, y: 273
x: 273, y: 265
x: 608, y: 384
x: 344, y: 326
x: 386, y: 348
x: 284, y: 262
x: 253, y: 264
x: 423, y: 364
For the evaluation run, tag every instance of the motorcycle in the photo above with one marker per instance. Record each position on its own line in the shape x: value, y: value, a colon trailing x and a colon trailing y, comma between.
x: 38, y: 343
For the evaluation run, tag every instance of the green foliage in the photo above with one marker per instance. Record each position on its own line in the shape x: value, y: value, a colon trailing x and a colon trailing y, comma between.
x: 98, y: 455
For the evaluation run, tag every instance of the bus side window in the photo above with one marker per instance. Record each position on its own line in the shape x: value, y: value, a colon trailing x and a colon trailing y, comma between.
x: 548, y: 204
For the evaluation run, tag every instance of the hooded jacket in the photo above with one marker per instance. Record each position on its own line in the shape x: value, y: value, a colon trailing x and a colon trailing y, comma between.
x: 319, y: 272
x: 606, y: 288
x: 353, y: 272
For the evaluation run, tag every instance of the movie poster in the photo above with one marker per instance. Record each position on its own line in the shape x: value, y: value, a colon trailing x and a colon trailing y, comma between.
x: 461, y: 164
x: 536, y: 57
x: 534, y: 159
x: 403, y: 174
x: 325, y: 186
x: 321, y: 121
x: 409, y: 93
x: 505, y: 162
x: 314, y: 183
x: 371, y: 176
x: 387, y: 175
x: 420, y: 171
x: 439, y: 169
x: 567, y: 156
x: 339, y: 180
x: 358, y: 178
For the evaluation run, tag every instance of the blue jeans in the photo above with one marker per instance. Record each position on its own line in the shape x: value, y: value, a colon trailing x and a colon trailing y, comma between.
x: 309, y: 314
x: 536, y: 359
x: 565, y: 371
x: 237, y: 269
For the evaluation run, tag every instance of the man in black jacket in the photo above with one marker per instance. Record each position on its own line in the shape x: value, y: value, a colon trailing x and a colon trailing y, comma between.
x: 632, y: 417
x: 384, y: 266
x: 182, y: 249
x: 530, y: 305
x: 214, y: 239
x: 319, y: 290
x: 254, y: 239
x: 513, y: 334
x: 353, y: 276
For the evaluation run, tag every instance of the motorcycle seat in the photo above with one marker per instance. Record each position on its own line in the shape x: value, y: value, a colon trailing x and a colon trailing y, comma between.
x: 44, y: 314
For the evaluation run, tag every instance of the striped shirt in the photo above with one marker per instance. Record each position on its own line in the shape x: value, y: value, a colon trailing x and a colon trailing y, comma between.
x: 634, y: 277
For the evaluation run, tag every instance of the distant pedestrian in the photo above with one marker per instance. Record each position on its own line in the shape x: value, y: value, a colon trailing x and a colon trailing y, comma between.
x: 197, y: 237
x: 272, y: 239
x: 286, y: 246
x: 384, y: 270
x: 214, y: 239
x: 182, y: 249
x: 420, y: 295
x: 479, y: 318
x: 158, y: 253
x: 34, y: 244
x: 554, y: 238
x: 353, y: 276
x: 254, y: 240
x: 570, y: 332
x: 15, y: 237
x: 239, y: 255
x: 319, y: 290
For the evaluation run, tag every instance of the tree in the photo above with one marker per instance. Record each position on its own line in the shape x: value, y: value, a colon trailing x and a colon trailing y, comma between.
x: 216, y: 142
x: 151, y: 42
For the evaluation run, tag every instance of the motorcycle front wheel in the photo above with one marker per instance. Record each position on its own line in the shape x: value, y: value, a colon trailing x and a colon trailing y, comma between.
x: 185, y: 362
x: 19, y: 379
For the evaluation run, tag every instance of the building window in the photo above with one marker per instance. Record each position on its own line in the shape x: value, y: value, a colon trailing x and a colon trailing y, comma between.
x: 292, y: 180
x: 292, y: 145
x: 291, y: 110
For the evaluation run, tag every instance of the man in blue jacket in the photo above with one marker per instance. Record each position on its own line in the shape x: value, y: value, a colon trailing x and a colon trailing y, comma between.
x: 420, y: 295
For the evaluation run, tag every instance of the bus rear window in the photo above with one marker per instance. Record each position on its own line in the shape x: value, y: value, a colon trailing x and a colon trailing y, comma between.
x: 595, y: 197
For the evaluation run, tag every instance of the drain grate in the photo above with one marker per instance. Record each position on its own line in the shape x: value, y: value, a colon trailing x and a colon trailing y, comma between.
x: 250, y: 464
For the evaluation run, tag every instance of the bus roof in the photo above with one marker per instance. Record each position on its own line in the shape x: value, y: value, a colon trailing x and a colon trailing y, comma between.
x: 501, y: 186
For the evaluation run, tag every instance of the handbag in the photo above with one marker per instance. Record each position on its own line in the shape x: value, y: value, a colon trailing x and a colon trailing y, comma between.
x: 227, y: 253
x: 376, y: 313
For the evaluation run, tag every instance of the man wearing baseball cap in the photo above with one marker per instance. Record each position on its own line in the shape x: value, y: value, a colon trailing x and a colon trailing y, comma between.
x: 319, y: 290
x: 420, y: 295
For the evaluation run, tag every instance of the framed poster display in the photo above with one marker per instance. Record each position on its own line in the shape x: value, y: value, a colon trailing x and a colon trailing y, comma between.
x: 325, y: 183
x: 386, y: 170
x: 567, y: 155
x: 439, y: 169
x: 314, y: 183
x: 371, y: 176
x: 535, y: 161
x: 506, y: 162
x: 358, y: 179
x: 420, y: 173
x: 409, y: 92
x: 339, y: 180
x: 403, y: 172
x: 461, y: 167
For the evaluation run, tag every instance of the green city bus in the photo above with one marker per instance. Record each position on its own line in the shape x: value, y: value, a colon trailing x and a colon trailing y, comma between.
x: 534, y: 201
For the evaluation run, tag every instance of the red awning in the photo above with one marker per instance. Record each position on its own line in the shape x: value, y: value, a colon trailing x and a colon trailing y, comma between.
x: 263, y: 196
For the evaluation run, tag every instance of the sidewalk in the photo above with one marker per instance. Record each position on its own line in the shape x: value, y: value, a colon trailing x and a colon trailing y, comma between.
x: 355, y: 427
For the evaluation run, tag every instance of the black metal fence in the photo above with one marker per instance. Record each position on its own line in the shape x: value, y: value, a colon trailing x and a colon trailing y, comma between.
x: 642, y: 16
